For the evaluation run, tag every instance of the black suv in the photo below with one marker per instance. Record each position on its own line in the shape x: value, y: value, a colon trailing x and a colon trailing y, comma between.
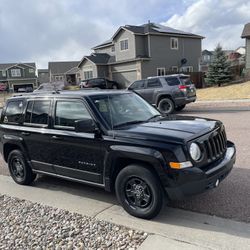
x: 101, y: 83
x: 117, y: 141
x: 167, y: 93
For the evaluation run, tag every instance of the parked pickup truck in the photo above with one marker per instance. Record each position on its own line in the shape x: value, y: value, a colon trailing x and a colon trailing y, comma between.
x: 114, y: 140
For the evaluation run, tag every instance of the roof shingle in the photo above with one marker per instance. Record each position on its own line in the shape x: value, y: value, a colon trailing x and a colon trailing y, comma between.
x: 246, y: 31
x: 62, y: 67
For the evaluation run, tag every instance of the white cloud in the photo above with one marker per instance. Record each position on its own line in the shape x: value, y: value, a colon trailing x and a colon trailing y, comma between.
x: 219, y: 21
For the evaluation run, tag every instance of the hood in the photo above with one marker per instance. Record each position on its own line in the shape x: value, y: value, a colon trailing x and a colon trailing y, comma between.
x: 175, y: 129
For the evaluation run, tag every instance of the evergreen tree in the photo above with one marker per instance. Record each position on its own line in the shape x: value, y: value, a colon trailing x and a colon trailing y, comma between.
x: 218, y: 71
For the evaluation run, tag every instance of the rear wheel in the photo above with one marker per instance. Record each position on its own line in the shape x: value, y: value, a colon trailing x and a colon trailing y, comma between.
x: 166, y: 106
x: 19, y: 168
x: 139, y: 192
x: 179, y: 108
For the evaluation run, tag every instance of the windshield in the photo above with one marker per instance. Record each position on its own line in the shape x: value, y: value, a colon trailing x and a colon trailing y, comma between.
x: 124, y: 109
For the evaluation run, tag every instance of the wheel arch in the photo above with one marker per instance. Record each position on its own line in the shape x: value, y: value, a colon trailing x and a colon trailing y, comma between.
x: 119, y: 160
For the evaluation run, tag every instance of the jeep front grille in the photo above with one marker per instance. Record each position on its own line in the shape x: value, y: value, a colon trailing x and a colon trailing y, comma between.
x: 216, y: 145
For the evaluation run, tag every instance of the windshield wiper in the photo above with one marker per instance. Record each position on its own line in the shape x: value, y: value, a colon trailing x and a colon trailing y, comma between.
x: 128, y: 123
x: 151, y: 118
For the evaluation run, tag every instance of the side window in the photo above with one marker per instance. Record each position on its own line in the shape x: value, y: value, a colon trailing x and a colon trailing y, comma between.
x: 172, y: 81
x: 67, y: 112
x: 13, y: 112
x: 154, y: 83
x: 138, y: 85
x: 37, y: 112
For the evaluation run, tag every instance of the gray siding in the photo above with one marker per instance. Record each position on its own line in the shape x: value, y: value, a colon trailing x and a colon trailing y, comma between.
x: 248, y: 53
x: 162, y: 56
x: 141, y: 45
x: 125, y: 54
x: 105, y: 50
x: 88, y: 66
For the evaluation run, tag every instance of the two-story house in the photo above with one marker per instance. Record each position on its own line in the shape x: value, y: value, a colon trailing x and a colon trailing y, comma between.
x: 18, y: 75
x: 66, y: 71
x: 136, y: 52
x: 246, y: 35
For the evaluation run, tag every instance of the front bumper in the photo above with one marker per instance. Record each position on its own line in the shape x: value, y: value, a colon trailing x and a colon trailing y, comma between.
x: 194, y: 180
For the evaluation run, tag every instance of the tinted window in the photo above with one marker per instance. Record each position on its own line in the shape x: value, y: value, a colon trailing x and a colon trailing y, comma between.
x: 186, y: 80
x: 67, y: 112
x: 138, y: 84
x: 13, y: 112
x: 37, y: 112
x: 172, y: 81
x: 152, y: 83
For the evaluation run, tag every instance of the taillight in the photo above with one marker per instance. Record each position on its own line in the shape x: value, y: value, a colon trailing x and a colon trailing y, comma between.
x: 182, y: 87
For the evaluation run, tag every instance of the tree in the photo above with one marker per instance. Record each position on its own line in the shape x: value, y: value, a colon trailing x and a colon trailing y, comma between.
x: 218, y: 71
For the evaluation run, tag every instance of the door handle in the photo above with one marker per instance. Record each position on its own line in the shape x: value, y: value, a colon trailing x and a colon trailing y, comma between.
x: 25, y: 133
x: 55, y: 137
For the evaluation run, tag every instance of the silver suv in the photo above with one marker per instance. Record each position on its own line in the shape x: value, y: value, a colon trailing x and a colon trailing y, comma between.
x: 168, y: 93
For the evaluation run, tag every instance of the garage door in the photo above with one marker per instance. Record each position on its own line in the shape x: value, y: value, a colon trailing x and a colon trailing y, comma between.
x: 125, y: 77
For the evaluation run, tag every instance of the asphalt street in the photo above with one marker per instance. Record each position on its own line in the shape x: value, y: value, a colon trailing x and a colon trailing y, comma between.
x: 230, y: 200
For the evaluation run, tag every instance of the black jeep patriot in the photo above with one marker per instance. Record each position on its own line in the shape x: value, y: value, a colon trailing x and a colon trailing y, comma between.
x: 117, y: 141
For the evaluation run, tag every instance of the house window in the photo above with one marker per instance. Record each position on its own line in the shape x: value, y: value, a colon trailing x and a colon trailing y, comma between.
x: 3, y: 73
x: 174, y: 69
x: 187, y: 69
x: 15, y: 72
x: 206, y: 57
x: 124, y: 44
x: 58, y: 78
x: 160, y: 71
x: 174, y: 43
x: 113, y: 48
x: 88, y: 74
x: 31, y: 70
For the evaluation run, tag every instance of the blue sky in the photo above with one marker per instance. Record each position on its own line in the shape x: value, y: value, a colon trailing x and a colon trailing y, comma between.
x: 50, y: 30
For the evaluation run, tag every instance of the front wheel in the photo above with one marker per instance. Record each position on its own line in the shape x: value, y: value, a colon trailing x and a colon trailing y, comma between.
x: 19, y: 168
x: 166, y: 106
x: 139, y: 192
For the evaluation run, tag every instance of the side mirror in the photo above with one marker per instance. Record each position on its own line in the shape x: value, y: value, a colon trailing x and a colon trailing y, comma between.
x: 86, y: 126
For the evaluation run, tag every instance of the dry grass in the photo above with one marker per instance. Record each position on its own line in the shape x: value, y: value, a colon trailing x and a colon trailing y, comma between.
x: 229, y: 92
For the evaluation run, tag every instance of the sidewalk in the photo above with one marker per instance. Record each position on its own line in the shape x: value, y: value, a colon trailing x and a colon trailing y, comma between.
x: 172, y: 229
x: 219, y: 105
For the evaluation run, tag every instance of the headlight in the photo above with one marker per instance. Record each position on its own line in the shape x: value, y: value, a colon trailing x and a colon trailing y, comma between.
x: 195, y: 151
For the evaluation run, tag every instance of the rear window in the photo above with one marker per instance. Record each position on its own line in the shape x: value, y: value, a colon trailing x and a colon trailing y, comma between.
x: 186, y: 81
x: 13, y: 112
x: 172, y: 81
x: 37, y: 112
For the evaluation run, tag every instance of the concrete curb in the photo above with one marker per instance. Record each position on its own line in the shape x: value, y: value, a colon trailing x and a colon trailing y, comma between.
x: 172, y: 229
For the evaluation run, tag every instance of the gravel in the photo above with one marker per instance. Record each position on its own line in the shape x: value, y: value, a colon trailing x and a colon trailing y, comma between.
x: 27, y: 225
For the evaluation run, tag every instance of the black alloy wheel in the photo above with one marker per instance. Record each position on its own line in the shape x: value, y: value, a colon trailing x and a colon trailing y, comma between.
x: 19, y: 168
x: 139, y: 191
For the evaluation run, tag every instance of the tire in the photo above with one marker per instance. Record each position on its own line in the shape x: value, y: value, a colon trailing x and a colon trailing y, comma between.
x: 19, y: 168
x: 179, y: 108
x: 139, y: 191
x: 166, y: 106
